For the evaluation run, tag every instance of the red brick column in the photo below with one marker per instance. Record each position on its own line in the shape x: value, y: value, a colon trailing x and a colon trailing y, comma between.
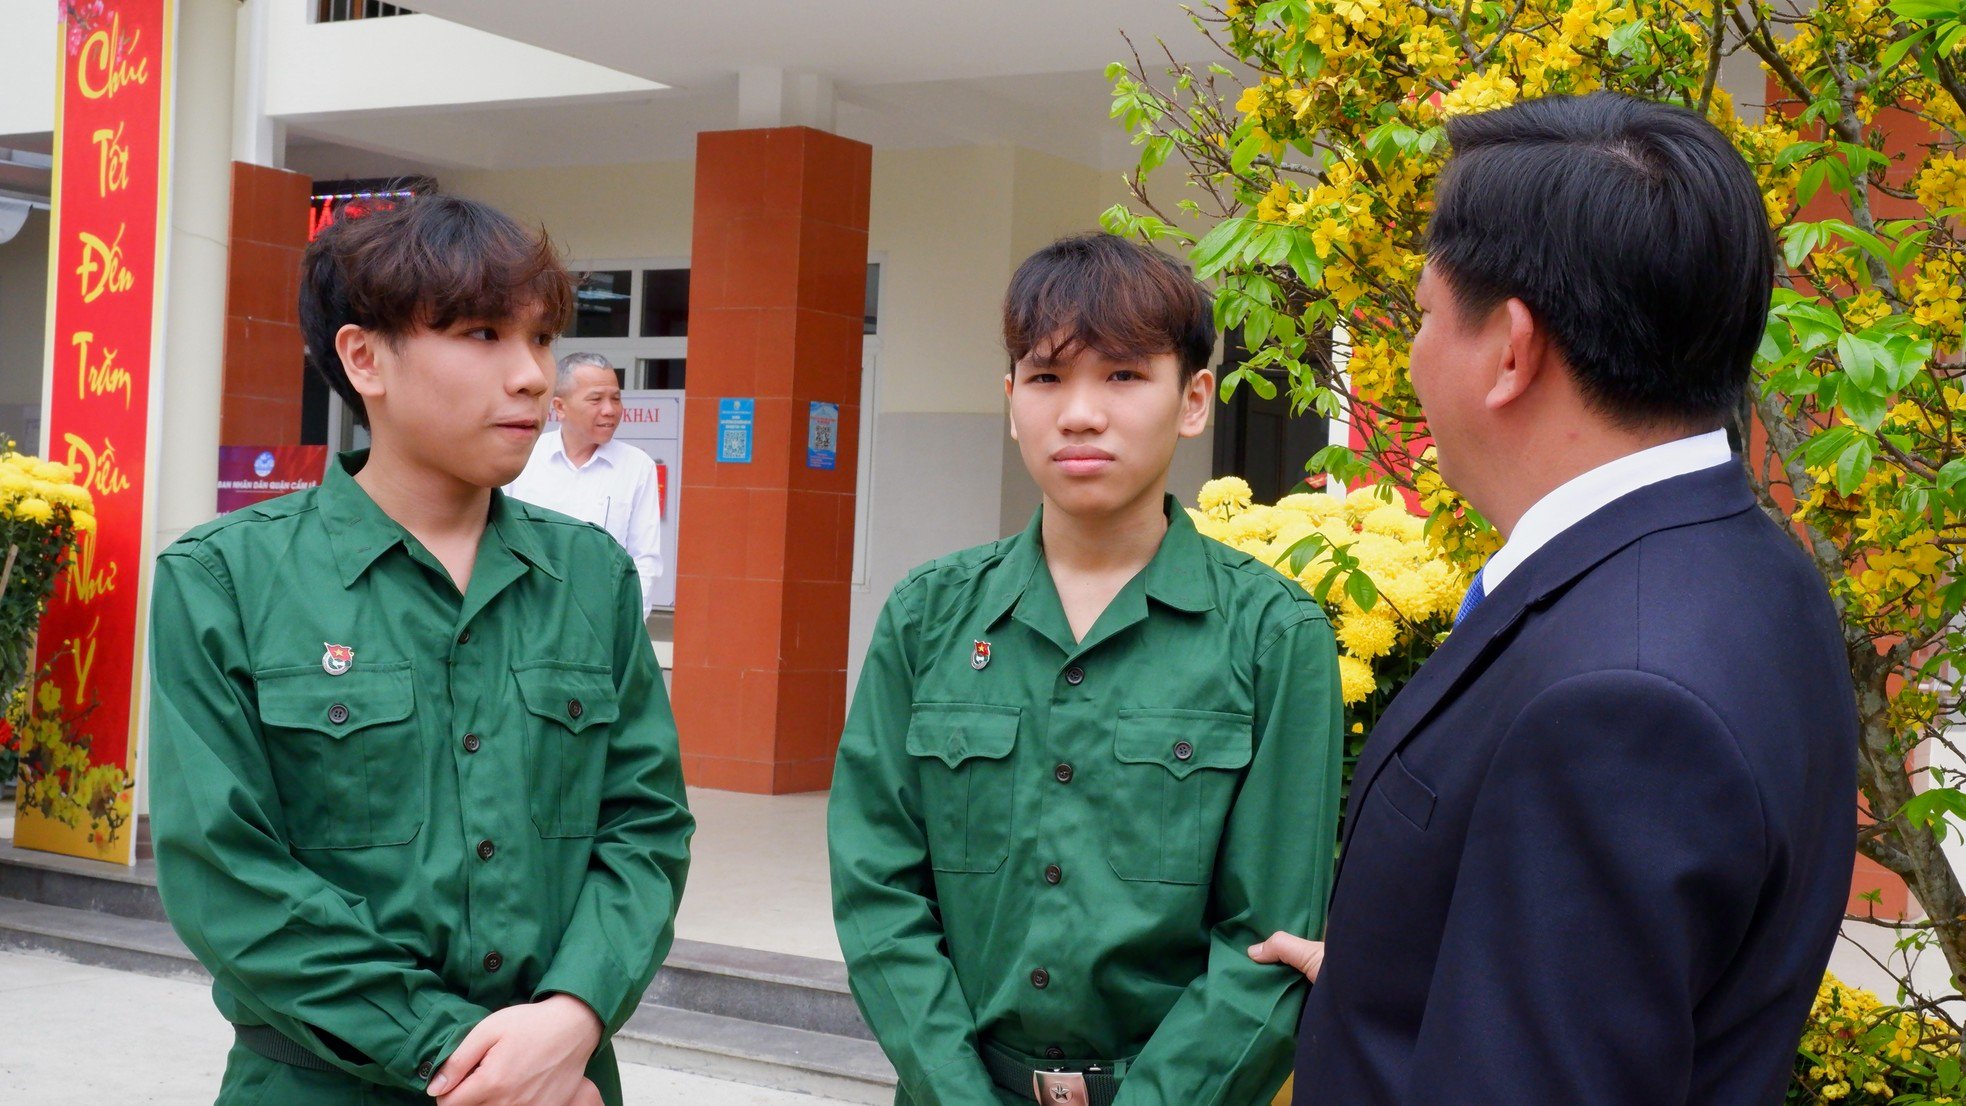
x: 777, y: 291
x: 263, y: 366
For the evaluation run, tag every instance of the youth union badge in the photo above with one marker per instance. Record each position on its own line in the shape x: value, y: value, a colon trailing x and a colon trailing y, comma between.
x: 981, y: 656
x: 337, y: 659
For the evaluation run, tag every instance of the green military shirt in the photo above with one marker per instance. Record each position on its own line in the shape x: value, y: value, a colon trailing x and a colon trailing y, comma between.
x: 482, y: 807
x: 1062, y: 850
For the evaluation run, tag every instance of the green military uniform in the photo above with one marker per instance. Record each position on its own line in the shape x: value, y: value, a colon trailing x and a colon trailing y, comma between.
x: 1050, y: 853
x: 482, y: 808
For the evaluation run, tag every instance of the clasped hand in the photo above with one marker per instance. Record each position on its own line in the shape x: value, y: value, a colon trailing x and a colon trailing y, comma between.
x: 530, y: 1055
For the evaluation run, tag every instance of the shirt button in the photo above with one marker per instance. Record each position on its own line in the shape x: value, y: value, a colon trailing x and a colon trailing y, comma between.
x: 574, y: 709
x: 425, y: 1070
x: 464, y: 638
x: 486, y: 849
x: 1075, y: 675
x: 338, y: 714
x: 1053, y: 873
x: 493, y: 961
x: 1183, y: 750
x: 1040, y: 979
x: 471, y: 743
x: 1054, y: 1053
x: 1063, y: 772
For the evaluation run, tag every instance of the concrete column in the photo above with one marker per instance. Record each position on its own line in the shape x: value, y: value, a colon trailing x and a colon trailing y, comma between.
x: 777, y: 289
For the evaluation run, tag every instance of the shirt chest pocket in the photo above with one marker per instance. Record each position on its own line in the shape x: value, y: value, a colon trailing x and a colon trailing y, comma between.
x: 570, y: 709
x: 963, y: 753
x: 345, y: 755
x: 1178, y: 771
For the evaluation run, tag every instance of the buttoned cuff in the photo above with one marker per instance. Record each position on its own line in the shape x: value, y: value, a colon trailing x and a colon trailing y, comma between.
x: 594, y: 978
x: 433, y: 1041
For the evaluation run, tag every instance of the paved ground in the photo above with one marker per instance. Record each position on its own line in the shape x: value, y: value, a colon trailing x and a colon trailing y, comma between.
x: 70, y: 1033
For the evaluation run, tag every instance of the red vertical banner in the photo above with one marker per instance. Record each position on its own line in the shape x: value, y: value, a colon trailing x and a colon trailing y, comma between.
x: 106, y: 246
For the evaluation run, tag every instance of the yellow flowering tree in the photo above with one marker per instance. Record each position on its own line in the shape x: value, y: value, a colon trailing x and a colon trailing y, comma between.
x: 1308, y: 173
x: 42, y: 510
x: 1389, y: 592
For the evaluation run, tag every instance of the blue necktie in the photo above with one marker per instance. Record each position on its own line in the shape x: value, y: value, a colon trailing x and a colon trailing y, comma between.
x: 1470, y: 601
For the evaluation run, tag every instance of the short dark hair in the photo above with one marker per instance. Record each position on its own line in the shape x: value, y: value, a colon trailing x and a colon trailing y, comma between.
x: 1112, y: 295
x: 428, y: 261
x: 1632, y: 230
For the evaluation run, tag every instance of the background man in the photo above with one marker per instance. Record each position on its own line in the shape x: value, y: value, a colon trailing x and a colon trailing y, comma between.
x: 1599, y: 847
x: 580, y: 470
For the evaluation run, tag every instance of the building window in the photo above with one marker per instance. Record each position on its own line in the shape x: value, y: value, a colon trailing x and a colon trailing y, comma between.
x: 341, y: 11
x: 1259, y: 439
x: 601, y: 304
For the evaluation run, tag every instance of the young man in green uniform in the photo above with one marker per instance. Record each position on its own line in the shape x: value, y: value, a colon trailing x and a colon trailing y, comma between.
x: 1088, y: 766
x: 415, y: 783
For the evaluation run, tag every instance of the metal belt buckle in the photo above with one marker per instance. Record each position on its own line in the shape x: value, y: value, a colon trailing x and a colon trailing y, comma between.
x: 1060, y: 1088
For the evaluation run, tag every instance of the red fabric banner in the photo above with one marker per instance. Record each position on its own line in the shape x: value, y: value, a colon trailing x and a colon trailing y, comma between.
x: 112, y: 131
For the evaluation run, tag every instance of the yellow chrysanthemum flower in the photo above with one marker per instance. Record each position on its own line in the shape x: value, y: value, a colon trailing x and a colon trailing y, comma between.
x: 34, y: 509
x: 1225, y: 493
x: 1355, y: 680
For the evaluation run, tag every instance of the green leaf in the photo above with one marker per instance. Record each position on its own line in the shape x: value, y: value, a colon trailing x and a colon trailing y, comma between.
x: 1863, y: 407
x: 1927, y: 9
x: 1930, y: 809
x: 1360, y: 588
x: 1852, y: 467
x: 1799, y: 240
x: 1895, y: 53
x: 1859, y: 359
x: 1625, y: 39
x: 1218, y: 245
x: 1812, y: 180
x: 1302, y: 552
x: 1155, y: 153
x: 1246, y: 152
x: 1826, y: 445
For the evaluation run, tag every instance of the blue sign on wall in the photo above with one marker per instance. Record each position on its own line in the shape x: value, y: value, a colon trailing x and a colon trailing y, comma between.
x: 823, y: 435
x: 734, y: 418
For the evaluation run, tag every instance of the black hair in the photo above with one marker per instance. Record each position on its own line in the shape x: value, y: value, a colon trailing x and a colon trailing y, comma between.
x: 1632, y: 230
x: 1117, y: 297
x: 426, y: 261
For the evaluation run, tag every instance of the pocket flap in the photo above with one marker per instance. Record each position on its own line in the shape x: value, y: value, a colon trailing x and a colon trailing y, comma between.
x: 955, y: 732
x: 310, y: 699
x: 1182, y: 740
x: 1412, y: 798
x: 574, y: 695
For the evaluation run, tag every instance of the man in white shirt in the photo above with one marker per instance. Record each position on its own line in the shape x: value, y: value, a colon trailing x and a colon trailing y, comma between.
x: 580, y: 470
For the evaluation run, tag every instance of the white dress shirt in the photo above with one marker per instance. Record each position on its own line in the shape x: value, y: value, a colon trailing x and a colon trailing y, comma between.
x: 1581, y: 497
x: 615, y: 490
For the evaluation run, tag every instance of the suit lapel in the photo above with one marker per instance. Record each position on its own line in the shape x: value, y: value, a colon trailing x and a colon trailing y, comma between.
x: 1713, y: 493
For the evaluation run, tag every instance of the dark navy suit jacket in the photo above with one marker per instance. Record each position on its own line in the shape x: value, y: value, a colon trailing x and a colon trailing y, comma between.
x: 1598, y: 849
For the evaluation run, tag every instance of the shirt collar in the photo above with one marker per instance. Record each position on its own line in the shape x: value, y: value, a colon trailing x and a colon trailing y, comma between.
x: 557, y: 447
x: 359, y: 533
x: 1175, y: 576
x: 1582, y: 496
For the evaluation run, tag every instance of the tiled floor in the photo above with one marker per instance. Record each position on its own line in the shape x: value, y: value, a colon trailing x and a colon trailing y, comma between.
x: 758, y: 876
x: 168, y: 1044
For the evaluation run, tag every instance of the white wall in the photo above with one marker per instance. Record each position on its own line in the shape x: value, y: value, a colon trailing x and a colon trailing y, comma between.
x: 27, y: 67
x: 23, y: 326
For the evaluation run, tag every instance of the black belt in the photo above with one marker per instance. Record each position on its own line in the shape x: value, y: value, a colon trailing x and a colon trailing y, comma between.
x: 1051, y: 1082
x: 275, y: 1045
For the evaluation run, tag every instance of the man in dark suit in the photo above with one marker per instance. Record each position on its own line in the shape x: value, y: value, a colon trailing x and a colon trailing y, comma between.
x: 1598, y: 849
